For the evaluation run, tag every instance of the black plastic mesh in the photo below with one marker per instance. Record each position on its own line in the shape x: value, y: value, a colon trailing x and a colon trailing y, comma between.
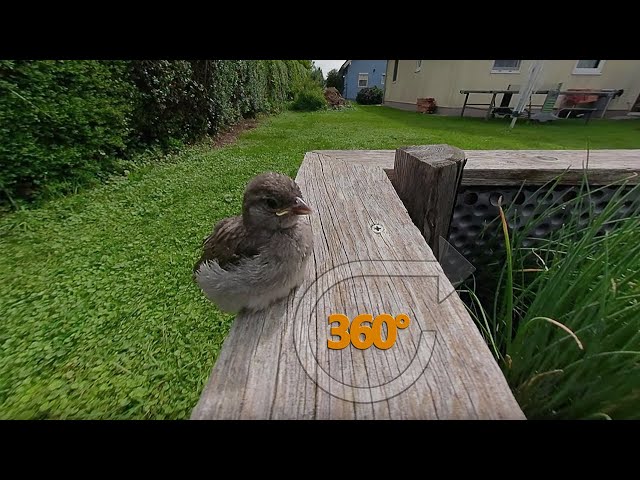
x: 477, y: 210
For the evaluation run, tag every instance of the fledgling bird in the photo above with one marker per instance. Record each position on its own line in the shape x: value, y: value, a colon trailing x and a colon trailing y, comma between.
x: 252, y: 260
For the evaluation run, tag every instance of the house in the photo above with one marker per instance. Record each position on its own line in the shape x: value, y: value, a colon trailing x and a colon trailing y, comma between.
x: 358, y: 74
x: 408, y: 80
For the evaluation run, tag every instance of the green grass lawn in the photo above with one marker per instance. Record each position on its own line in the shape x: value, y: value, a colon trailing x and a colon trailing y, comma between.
x: 100, y: 317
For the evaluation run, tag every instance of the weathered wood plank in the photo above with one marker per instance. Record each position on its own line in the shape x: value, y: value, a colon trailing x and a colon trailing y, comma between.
x: 426, y: 180
x: 536, y: 167
x: 276, y: 364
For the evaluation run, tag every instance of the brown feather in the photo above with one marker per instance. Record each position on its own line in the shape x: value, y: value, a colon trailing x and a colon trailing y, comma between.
x: 228, y: 244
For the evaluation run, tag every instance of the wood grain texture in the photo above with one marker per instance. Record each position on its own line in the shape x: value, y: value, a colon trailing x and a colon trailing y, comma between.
x: 535, y: 167
x: 426, y: 179
x: 276, y: 364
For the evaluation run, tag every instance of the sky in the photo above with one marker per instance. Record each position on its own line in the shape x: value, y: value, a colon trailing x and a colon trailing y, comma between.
x: 327, y: 65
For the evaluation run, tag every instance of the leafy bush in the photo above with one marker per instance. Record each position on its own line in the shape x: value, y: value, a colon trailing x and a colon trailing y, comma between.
x: 370, y: 96
x: 187, y: 99
x: 60, y: 122
x: 309, y: 101
x: 309, y: 96
x: 64, y: 123
x: 166, y: 106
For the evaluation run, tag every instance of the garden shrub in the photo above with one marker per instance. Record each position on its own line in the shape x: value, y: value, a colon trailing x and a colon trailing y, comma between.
x: 370, y: 96
x: 166, y: 106
x: 60, y: 121
x: 63, y: 123
x: 308, y: 96
x: 309, y: 100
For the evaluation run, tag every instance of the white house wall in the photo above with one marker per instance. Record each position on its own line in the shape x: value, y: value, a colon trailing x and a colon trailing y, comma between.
x: 443, y: 80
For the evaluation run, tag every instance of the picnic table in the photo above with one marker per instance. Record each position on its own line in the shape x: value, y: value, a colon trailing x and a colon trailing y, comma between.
x: 508, y: 94
x: 506, y: 98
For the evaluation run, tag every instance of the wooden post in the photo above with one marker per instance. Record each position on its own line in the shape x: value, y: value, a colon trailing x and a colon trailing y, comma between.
x: 427, y: 179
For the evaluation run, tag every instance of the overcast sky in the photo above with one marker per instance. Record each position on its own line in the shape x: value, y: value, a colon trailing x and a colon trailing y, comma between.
x: 327, y: 65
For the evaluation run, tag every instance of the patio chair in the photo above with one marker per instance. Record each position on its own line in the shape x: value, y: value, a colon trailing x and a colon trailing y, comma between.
x: 504, y: 109
x: 546, y: 111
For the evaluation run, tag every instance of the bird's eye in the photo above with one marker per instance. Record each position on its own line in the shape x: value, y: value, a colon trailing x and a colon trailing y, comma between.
x: 271, y: 203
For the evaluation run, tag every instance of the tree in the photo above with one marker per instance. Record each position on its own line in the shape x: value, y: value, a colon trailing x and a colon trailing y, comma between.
x: 334, y: 79
x: 316, y: 75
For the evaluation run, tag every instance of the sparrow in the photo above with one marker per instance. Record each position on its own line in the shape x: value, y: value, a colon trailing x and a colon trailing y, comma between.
x: 251, y: 261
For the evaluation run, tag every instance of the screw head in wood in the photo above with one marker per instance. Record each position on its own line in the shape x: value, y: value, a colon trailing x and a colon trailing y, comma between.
x: 377, y: 228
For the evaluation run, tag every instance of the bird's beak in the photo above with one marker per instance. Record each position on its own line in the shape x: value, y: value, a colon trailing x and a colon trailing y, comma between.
x: 300, y: 207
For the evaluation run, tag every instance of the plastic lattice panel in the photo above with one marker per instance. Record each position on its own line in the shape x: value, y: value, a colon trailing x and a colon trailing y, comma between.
x: 476, y: 211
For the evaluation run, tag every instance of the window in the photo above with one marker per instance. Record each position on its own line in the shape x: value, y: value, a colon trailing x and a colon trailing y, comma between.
x: 395, y: 70
x: 588, y: 63
x: 588, y: 67
x: 382, y: 78
x: 418, y: 65
x: 363, y: 80
x: 506, y: 66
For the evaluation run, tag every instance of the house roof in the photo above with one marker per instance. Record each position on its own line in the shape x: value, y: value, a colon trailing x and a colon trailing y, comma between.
x: 345, y: 65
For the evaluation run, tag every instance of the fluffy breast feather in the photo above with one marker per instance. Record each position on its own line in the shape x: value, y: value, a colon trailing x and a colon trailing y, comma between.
x: 256, y: 281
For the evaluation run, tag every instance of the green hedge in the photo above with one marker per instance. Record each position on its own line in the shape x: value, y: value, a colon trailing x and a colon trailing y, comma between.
x: 60, y: 120
x: 64, y: 123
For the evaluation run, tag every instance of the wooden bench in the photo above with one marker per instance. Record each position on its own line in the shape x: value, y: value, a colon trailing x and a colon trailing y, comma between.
x: 513, y: 167
x: 369, y: 257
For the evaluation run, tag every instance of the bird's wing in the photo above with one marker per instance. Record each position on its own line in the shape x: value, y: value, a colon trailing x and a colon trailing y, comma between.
x: 228, y: 244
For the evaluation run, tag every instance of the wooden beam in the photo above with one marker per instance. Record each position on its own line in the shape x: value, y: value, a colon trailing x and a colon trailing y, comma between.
x: 534, y: 167
x: 427, y: 179
x: 368, y: 258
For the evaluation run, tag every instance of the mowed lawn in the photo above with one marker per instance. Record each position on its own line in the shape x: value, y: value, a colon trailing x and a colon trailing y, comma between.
x: 100, y: 317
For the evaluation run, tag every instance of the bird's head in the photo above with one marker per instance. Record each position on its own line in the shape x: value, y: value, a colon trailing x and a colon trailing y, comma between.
x: 273, y: 201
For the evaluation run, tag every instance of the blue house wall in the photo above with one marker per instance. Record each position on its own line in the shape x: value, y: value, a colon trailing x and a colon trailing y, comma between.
x: 376, y: 70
